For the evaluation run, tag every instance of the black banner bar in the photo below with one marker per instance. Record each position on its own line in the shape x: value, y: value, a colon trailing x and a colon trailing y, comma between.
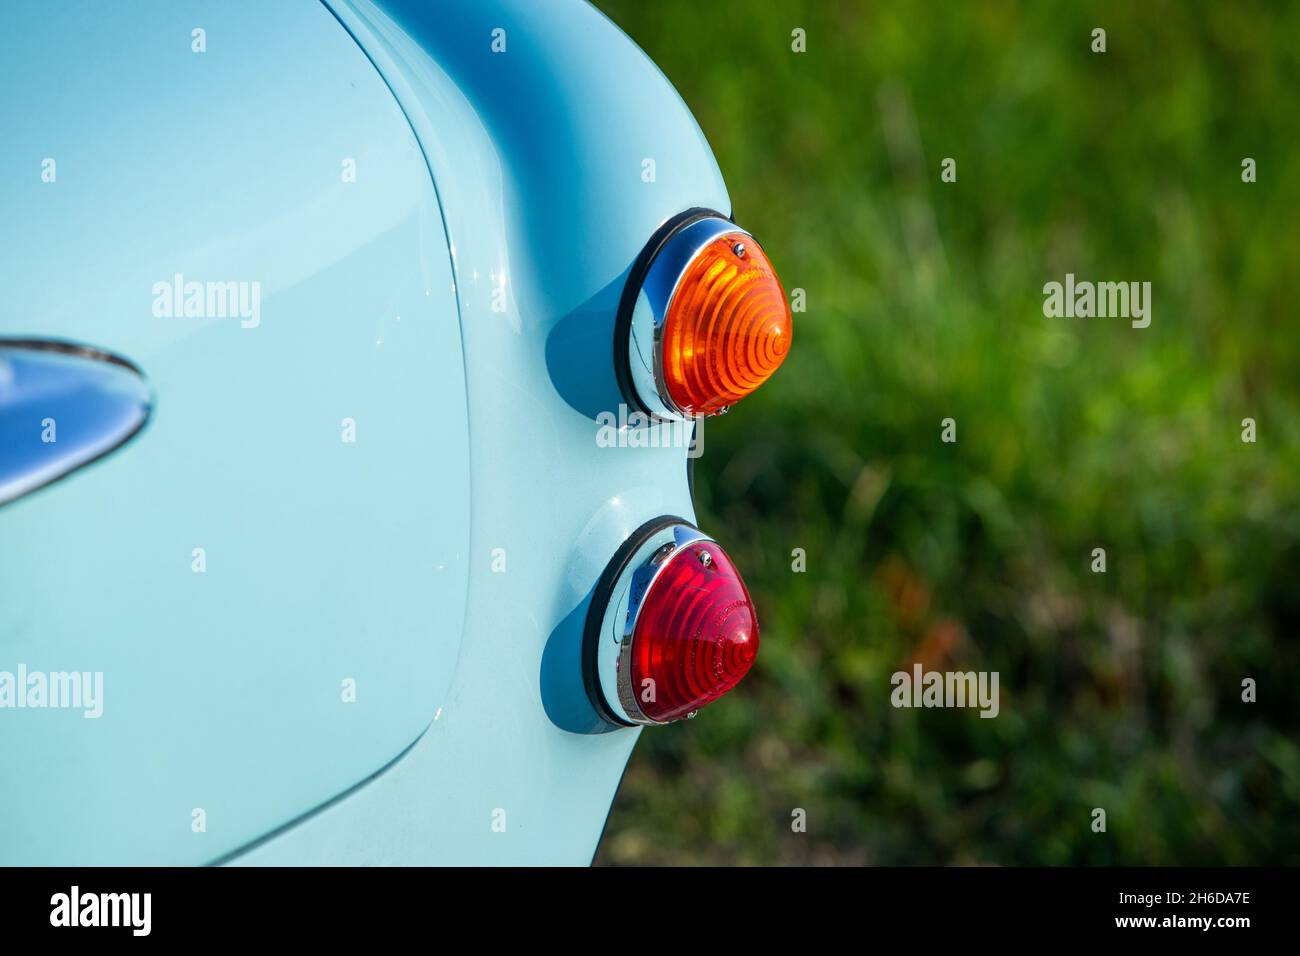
x: 332, y: 905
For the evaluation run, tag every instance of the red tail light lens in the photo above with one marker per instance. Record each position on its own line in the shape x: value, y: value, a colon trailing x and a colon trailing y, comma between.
x: 670, y: 627
x: 728, y: 327
x: 695, y: 634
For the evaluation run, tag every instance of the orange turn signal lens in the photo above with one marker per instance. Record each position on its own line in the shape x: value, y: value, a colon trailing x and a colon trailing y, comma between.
x: 728, y: 326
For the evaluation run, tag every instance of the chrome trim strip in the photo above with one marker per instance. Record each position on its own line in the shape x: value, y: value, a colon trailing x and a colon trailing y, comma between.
x: 88, y: 382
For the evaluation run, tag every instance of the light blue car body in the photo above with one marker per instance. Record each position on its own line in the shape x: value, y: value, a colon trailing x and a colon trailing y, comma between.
x: 336, y: 585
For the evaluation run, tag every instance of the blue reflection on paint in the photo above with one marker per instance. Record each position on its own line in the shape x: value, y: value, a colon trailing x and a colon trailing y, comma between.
x: 60, y: 408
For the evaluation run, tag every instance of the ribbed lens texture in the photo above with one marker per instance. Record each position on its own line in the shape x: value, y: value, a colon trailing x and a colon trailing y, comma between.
x: 728, y: 327
x: 696, y: 635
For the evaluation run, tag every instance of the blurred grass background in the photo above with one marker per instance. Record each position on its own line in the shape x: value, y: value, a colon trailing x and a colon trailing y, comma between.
x: 924, y: 301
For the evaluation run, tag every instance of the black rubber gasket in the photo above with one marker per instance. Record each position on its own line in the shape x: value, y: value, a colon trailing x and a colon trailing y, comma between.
x: 627, y: 304
x: 600, y: 604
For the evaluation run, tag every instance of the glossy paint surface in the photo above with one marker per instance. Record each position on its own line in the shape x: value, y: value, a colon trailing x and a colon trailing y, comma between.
x: 322, y: 561
x: 538, y: 154
x: 503, y: 200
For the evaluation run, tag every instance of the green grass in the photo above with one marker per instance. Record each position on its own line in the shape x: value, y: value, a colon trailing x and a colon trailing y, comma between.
x: 1122, y: 690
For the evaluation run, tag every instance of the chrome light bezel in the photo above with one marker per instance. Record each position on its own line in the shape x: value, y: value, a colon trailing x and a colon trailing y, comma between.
x: 638, y: 342
x: 612, y: 622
